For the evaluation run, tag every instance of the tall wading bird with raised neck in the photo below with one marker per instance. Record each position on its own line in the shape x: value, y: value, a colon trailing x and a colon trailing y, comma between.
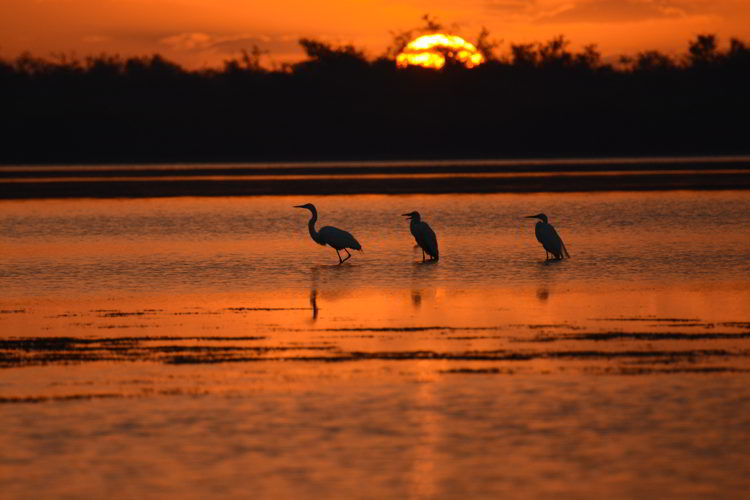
x: 332, y: 236
x: 549, y: 238
x: 424, y: 235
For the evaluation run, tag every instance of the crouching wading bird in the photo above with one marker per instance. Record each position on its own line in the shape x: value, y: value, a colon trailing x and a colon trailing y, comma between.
x: 424, y: 235
x: 549, y: 238
x: 332, y: 236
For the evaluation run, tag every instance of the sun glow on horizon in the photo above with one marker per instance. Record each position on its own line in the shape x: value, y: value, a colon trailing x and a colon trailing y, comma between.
x: 429, y: 51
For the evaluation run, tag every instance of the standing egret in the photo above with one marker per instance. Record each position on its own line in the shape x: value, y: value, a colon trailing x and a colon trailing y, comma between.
x: 424, y: 235
x: 332, y: 236
x: 549, y: 238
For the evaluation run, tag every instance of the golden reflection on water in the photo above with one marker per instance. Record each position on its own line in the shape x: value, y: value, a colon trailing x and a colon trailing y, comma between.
x: 181, y: 339
x: 330, y: 177
x: 416, y: 393
x: 428, y: 430
x: 377, y: 327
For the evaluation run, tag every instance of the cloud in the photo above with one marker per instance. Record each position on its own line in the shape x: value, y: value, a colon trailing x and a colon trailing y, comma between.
x: 189, y: 41
x: 201, y: 48
x: 199, y: 41
x: 594, y: 11
x: 511, y: 5
x: 616, y: 11
x: 239, y: 42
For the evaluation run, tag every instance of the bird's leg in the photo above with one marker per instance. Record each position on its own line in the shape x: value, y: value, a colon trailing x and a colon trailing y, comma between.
x: 348, y: 256
x: 546, y: 255
x: 337, y: 253
x: 422, y: 255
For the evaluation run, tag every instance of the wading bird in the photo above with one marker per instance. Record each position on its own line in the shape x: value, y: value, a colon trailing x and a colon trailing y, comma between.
x: 424, y: 235
x: 332, y: 236
x: 549, y: 238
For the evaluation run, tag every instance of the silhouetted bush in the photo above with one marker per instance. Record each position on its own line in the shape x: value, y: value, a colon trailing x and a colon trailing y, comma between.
x: 653, y: 61
x: 540, y: 99
x: 703, y: 51
x: 322, y: 57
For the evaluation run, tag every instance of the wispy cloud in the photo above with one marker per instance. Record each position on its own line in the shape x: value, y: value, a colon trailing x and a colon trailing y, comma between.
x: 512, y: 5
x: 212, y: 47
x: 199, y: 41
x: 588, y: 11
x: 188, y: 41
x: 616, y: 11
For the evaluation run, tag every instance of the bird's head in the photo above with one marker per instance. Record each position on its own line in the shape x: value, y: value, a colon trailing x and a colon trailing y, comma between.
x: 412, y: 215
x: 308, y: 206
x: 541, y: 217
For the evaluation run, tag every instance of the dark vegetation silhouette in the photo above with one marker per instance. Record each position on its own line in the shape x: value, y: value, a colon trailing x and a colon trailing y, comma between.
x: 537, y: 100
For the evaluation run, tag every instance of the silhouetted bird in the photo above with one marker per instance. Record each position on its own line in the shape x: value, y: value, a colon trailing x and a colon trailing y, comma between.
x: 424, y: 235
x: 549, y: 238
x: 332, y: 236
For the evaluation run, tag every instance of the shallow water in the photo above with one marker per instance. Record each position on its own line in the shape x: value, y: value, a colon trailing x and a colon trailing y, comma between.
x: 193, y: 347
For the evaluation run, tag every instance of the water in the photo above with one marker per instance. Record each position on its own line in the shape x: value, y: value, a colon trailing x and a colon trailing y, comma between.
x: 367, y: 177
x: 194, y: 347
x: 214, y: 245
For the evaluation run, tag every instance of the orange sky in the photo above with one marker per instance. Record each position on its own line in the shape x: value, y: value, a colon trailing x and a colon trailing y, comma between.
x: 199, y: 33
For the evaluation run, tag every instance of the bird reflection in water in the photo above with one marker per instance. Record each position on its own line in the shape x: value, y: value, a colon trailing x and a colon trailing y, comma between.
x: 542, y: 294
x: 314, y: 303
x: 416, y: 298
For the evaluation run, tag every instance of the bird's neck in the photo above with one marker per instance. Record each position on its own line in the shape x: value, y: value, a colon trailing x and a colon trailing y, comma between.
x: 311, y: 226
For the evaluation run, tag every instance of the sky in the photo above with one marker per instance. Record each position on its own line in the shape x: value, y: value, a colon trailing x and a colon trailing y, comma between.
x: 204, y: 33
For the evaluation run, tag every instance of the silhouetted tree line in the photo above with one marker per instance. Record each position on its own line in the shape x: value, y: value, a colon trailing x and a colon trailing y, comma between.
x: 538, y: 100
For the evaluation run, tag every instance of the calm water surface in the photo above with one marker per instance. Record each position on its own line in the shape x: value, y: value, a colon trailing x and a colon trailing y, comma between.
x: 196, y: 347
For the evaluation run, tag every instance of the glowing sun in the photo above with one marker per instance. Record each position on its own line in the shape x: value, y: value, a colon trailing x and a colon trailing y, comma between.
x: 430, y: 51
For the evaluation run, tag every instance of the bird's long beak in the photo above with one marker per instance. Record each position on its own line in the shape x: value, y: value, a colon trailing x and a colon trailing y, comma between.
x: 406, y: 215
x: 531, y: 217
x: 298, y: 206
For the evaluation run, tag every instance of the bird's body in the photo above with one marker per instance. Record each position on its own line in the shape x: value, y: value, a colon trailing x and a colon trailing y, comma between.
x: 424, y: 235
x: 334, y: 237
x: 548, y: 237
